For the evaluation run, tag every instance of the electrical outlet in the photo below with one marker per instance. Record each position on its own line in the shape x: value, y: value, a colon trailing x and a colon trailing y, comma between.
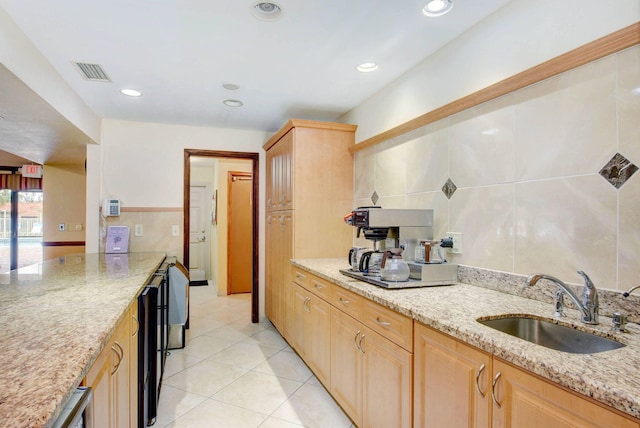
x: 61, y: 227
x: 139, y: 230
x: 457, y: 242
x: 175, y: 230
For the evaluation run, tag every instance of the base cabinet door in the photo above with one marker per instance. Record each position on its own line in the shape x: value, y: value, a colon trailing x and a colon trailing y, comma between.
x: 109, y: 379
x: 452, y: 382
x: 387, y: 383
x: 523, y: 400
x: 310, y: 331
x: 346, y: 364
x: 370, y: 375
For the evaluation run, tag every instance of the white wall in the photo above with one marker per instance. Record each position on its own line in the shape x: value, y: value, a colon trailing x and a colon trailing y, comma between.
x: 19, y: 55
x: 517, y: 37
x: 142, y: 164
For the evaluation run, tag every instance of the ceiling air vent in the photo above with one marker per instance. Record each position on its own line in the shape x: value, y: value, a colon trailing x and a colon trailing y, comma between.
x: 93, y: 72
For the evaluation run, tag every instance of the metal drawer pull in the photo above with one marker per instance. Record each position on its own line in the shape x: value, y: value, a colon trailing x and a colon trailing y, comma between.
x: 306, y: 304
x: 120, y: 354
x: 355, y: 340
x: 360, y: 344
x: 382, y: 323
x: 493, y: 389
x: 480, y: 370
x: 318, y: 286
x: 344, y: 301
x: 137, y: 325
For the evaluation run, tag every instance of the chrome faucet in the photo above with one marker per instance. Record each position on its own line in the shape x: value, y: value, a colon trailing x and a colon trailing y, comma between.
x: 589, y: 305
x: 631, y: 290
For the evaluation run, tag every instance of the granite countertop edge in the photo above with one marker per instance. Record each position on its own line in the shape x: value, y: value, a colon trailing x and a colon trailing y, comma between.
x: 611, y: 378
x: 72, y: 303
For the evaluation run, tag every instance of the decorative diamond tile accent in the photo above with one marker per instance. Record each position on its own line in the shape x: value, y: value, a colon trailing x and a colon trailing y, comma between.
x: 374, y: 197
x: 449, y: 188
x: 618, y: 170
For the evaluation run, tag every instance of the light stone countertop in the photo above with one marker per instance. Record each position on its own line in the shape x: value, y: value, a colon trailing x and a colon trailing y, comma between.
x: 611, y: 377
x: 55, y: 318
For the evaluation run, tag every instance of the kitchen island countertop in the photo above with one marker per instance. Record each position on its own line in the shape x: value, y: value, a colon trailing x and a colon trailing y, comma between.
x: 611, y: 378
x: 56, y: 317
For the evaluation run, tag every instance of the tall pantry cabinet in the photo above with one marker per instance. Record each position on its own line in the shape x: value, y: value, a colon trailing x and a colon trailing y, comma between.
x: 309, y: 191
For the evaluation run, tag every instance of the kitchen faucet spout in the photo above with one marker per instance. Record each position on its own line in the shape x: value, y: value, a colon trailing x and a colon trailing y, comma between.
x: 589, y: 305
x: 631, y: 290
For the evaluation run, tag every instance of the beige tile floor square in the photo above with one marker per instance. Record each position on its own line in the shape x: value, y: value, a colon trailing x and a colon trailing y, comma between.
x: 233, y: 373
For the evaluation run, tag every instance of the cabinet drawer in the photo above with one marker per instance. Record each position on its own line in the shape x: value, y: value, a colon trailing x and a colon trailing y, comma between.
x: 319, y: 287
x: 347, y: 302
x: 390, y: 324
x: 300, y: 277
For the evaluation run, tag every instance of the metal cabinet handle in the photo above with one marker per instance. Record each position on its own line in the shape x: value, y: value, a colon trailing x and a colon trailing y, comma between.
x: 344, y: 301
x: 480, y: 370
x: 120, y: 354
x: 360, y: 343
x: 355, y: 340
x: 307, y: 300
x: 318, y: 286
x: 382, y: 323
x: 493, y: 389
x: 268, y: 219
x: 137, y: 325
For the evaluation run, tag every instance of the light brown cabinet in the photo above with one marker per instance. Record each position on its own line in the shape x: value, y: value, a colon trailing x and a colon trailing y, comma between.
x: 524, y: 400
x: 279, y: 235
x: 113, y: 378
x: 453, y: 386
x: 310, y: 330
x: 371, y: 376
x: 452, y: 382
x: 310, y: 182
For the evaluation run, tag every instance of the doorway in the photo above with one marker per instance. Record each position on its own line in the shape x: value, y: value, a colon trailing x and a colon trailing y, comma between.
x: 218, y: 208
x: 20, y: 229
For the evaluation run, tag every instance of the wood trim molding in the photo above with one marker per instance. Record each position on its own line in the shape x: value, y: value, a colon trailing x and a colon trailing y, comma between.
x: 607, y: 45
x: 150, y: 209
x: 303, y: 123
x: 64, y: 244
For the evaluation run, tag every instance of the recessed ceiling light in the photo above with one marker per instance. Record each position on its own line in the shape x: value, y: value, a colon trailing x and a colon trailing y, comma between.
x: 437, y: 7
x: 266, y: 10
x: 367, y: 67
x: 230, y: 86
x: 131, y: 92
x: 636, y: 91
x: 232, y: 103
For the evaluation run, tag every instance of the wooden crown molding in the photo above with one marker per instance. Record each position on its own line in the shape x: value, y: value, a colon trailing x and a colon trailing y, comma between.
x: 607, y: 45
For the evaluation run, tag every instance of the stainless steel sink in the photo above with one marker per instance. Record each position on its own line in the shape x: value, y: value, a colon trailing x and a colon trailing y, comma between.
x: 551, y: 335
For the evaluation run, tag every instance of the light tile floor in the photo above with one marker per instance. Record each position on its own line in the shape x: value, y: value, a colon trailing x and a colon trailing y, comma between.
x: 233, y: 373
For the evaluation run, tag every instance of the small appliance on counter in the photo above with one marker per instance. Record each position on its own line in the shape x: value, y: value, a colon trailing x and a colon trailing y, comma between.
x: 402, y: 230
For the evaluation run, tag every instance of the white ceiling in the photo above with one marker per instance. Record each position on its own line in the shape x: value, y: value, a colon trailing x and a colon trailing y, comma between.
x: 178, y: 53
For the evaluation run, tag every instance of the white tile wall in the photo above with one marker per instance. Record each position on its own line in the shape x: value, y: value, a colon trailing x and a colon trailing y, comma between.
x: 530, y: 198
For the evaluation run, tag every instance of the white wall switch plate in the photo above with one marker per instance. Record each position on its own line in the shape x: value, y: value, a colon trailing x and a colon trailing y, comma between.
x: 139, y: 230
x: 175, y: 230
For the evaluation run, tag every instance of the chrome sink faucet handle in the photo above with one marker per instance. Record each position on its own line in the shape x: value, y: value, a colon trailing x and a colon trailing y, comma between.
x: 589, y: 304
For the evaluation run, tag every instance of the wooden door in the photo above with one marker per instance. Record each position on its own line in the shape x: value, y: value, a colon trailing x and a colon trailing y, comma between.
x: 318, y: 341
x: 387, y: 379
x: 452, y: 385
x: 240, y: 233
x: 346, y: 364
x: 527, y: 401
x: 198, y: 227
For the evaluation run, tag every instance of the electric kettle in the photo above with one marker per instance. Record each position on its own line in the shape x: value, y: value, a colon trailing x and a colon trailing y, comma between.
x: 393, y: 267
